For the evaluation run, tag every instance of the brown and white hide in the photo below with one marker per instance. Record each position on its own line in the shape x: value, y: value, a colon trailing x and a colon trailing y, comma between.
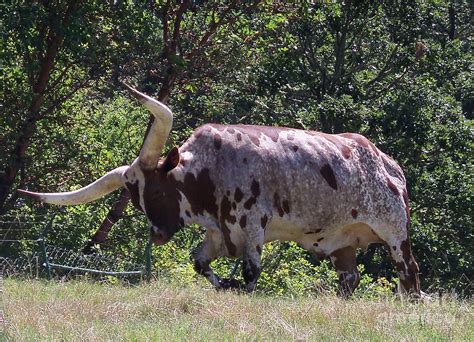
x: 249, y: 185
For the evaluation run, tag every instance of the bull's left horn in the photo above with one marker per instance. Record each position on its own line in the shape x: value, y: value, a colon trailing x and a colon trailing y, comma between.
x: 101, y: 187
x: 159, y: 131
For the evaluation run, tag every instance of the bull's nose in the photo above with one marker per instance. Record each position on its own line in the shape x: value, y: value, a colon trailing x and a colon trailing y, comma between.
x: 158, y: 236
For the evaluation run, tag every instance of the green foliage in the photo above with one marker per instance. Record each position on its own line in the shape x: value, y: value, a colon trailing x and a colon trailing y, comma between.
x: 330, y: 66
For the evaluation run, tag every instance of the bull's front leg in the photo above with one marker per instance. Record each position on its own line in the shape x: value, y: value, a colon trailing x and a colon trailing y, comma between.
x: 203, y: 256
x: 209, y: 250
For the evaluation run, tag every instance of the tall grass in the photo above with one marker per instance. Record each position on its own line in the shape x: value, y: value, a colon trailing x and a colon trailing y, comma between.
x: 2, y: 316
x: 80, y: 310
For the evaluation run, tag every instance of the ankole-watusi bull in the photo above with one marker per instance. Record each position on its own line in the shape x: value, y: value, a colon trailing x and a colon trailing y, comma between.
x: 249, y: 185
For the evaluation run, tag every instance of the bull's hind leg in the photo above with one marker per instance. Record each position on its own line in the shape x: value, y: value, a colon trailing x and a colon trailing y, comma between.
x: 404, y: 262
x: 344, y: 260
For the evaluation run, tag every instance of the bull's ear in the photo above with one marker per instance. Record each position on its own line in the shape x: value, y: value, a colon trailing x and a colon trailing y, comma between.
x: 171, y: 160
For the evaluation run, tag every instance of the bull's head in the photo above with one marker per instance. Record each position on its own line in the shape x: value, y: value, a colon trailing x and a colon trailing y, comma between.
x: 146, y: 179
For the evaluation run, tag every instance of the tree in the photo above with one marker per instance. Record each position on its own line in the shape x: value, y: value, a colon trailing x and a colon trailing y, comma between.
x: 399, y: 73
x: 50, y: 27
x: 354, y: 66
x: 183, y: 45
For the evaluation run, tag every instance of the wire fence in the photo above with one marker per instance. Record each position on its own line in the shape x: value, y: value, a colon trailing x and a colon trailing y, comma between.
x: 52, y: 261
x: 24, y: 251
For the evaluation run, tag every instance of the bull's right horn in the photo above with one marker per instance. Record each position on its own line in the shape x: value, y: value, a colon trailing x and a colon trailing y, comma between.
x: 159, y: 131
x: 101, y: 187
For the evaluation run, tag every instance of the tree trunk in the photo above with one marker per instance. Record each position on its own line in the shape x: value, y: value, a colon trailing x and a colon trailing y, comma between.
x: 16, y: 161
x: 115, y: 214
x: 452, y: 21
x: 28, y: 128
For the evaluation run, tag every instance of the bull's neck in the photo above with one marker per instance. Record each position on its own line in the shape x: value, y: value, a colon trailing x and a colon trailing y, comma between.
x: 198, y: 203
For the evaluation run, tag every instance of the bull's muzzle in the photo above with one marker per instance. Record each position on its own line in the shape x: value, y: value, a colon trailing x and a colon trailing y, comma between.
x: 159, y: 236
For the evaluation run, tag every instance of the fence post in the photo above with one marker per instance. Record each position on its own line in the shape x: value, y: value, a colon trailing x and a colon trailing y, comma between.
x: 43, y: 245
x: 45, y: 257
x: 148, y: 260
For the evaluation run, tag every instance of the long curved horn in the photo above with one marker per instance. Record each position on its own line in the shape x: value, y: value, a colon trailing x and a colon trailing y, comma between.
x: 101, y: 187
x: 159, y: 131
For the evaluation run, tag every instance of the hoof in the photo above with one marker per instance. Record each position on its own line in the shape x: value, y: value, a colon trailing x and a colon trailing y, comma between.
x: 426, y: 298
x: 229, y: 284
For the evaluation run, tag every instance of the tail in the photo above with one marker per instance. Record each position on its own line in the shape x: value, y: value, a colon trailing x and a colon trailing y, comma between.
x: 395, y: 172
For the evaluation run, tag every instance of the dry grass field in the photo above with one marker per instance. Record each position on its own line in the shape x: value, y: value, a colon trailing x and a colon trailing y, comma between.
x: 85, y: 311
